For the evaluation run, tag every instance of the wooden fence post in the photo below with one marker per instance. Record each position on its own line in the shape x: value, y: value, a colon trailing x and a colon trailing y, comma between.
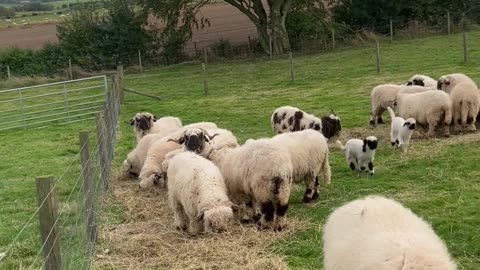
x: 271, y: 46
x: 120, y: 83
x: 292, y: 72
x: 378, y: 55
x: 47, y: 202
x: 391, y: 31
x: 249, y: 44
x: 204, y: 76
x: 70, y: 70
x: 102, y: 150
x: 333, y: 38
x: 196, y: 50
x: 88, y: 188
x: 140, y: 66
x: 9, y: 76
x: 465, y: 48
x: 448, y: 22
x: 205, y: 58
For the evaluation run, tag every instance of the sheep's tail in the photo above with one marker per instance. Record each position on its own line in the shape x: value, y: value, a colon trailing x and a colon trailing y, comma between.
x: 391, y: 112
x: 326, y: 172
x: 340, y: 144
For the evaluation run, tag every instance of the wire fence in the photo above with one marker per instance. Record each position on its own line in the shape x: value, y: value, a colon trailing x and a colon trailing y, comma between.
x: 68, y: 227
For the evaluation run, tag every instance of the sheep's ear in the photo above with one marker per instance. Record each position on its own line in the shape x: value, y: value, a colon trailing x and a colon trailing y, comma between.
x: 132, y: 121
x: 155, y: 118
x: 409, y: 83
x: 364, y: 147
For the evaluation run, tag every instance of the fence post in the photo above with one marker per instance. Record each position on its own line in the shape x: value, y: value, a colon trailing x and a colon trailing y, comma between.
x: 204, y: 76
x: 196, y: 50
x: 448, y: 22
x: 88, y: 194
x: 102, y: 144
x: 120, y: 83
x: 70, y: 70
x: 47, y: 202
x: 271, y: 46
x: 391, y: 31
x: 9, y: 76
x: 292, y: 73
x: 378, y: 55
x: 465, y: 46
x: 205, y: 58
x: 249, y: 44
x: 140, y: 66
x: 333, y: 38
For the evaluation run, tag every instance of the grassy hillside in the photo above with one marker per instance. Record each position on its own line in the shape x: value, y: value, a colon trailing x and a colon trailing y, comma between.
x: 439, y: 178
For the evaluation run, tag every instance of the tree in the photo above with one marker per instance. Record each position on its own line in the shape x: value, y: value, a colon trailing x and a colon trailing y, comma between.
x: 181, y: 14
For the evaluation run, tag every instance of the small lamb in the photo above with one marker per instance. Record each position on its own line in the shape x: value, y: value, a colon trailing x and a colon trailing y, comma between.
x: 360, y: 154
x: 401, y: 131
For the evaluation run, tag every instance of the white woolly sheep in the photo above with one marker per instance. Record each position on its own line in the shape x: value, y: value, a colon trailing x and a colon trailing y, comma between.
x: 414, y: 89
x: 465, y: 100
x: 381, y: 97
x: 360, y: 154
x: 136, y: 158
x: 427, y: 108
x: 401, y: 131
x: 422, y: 80
x: 290, y: 119
x: 381, y: 234
x: 258, y: 174
x: 309, y: 155
x: 197, y: 193
x: 145, y: 123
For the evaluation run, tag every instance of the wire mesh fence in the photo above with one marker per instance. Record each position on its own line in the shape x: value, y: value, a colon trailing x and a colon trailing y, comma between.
x: 68, y: 203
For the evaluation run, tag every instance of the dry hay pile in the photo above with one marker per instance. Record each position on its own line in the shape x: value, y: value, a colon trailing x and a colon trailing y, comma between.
x: 147, y: 239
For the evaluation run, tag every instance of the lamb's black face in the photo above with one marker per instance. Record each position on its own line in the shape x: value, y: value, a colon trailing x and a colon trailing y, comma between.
x: 410, y: 126
x: 372, y: 144
x: 143, y: 122
x: 194, y: 142
x: 418, y: 82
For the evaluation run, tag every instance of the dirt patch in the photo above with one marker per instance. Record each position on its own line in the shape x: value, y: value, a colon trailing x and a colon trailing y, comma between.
x: 147, y: 239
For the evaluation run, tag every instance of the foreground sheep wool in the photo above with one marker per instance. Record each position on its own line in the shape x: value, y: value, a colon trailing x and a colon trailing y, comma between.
x: 197, y: 193
x: 422, y: 80
x: 401, y: 131
x: 381, y: 97
x: 290, y: 119
x: 430, y: 108
x: 360, y: 154
x: 258, y: 173
x: 465, y: 100
x: 380, y: 234
x: 145, y: 123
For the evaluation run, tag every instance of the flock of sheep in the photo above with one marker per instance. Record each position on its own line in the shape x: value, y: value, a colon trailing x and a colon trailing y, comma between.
x: 212, y: 180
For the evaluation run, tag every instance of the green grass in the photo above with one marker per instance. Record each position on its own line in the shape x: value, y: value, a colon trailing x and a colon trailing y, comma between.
x: 439, y: 179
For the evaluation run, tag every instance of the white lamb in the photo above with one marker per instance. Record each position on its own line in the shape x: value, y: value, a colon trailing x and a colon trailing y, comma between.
x: 381, y: 97
x: 422, y: 80
x: 360, y: 154
x: 465, y: 100
x: 258, y: 174
x: 197, y: 193
x: 151, y: 173
x: 401, y: 131
x: 291, y: 119
x: 309, y: 154
x: 145, y: 123
x: 381, y: 234
x: 427, y: 108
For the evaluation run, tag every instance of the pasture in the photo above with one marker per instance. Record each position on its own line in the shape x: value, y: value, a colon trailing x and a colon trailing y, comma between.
x: 439, y: 179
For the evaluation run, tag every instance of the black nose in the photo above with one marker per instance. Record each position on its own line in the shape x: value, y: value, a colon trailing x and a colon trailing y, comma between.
x: 193, y: 143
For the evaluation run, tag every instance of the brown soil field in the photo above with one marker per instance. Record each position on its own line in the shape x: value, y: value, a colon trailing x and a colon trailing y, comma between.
x: 225, y: 22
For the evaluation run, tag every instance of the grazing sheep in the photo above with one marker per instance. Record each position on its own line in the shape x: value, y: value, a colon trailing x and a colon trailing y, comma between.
x: 381, y: 97
x: 465, y: 100
x: 360, y: 154
x: 427, y: 108
x: 258, y: 174
x: 290, y: 119
x: 422, y: 80
x: 151, y: 173
x: 197, y: 193
x: 401, y: 131
x: 309, y: 155
x: 381, y: 234
x: 145, y: 123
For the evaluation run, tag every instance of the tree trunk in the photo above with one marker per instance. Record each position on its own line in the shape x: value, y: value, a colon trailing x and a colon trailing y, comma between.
x: 280, y: 41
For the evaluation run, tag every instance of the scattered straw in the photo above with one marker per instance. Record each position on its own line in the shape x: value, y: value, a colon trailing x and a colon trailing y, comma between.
x: 147, y: 239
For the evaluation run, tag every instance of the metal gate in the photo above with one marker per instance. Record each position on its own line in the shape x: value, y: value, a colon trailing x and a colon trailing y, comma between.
x: 59, y: 102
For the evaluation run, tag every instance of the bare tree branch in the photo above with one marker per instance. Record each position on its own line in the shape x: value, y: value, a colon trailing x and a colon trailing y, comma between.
x: 239, y: 5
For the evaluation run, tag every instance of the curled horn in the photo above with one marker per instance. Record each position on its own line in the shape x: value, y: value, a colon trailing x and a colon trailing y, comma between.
x: 132, y: 121
x: 181, y: 140
x: 208, y: 136
x: 333, y: 112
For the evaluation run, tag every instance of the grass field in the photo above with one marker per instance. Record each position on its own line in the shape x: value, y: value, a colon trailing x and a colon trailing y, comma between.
x: 439, y: 179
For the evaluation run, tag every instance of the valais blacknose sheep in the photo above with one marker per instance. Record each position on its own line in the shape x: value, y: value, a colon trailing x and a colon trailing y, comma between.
x: 197, y: 193
x: 422, y: 80
x: 360, y: 154
x: 290, y: 119
x: 376, y: 233
x: 145, y: 123
x: 401, y: 131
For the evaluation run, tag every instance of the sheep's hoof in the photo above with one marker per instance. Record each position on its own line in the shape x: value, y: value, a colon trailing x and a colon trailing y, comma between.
x: 307, y: 199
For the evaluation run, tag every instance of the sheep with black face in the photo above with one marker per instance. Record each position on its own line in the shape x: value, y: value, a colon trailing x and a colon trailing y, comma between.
x: 360, y: 154
x: 422, y: 80
x: 291, y: 119
x: 401, y: 131
x: 145, y: 123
